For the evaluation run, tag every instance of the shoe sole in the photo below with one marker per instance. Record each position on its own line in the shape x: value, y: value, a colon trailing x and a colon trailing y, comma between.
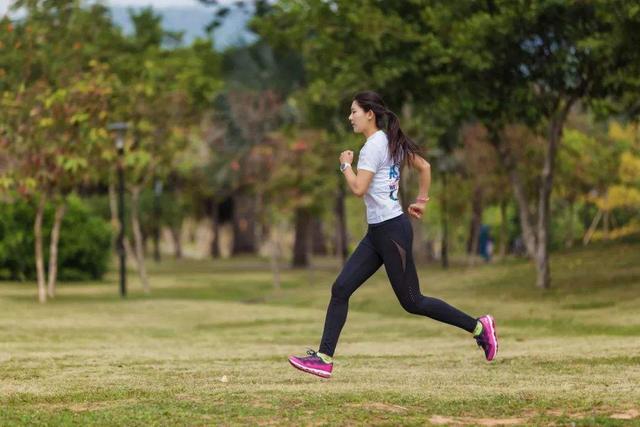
x: 316, y: 372
x: 494, y: 337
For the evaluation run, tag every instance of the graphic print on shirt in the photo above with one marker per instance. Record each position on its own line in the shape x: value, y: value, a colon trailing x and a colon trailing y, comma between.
x: 394, y: 181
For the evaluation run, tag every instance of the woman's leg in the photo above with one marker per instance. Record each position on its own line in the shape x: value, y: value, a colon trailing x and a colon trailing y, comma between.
x: 359, y: 267
x: 394, y: 242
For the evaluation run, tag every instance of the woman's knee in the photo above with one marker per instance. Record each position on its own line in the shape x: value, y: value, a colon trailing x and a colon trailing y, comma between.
x: 417, y: 304
x: 340, y: 290
x: 411, y: 307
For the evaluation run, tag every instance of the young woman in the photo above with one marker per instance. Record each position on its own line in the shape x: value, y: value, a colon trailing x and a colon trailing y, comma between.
x: 389, y: 237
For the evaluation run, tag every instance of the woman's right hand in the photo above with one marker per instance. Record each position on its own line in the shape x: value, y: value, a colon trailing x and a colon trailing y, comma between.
x: 416, y: 210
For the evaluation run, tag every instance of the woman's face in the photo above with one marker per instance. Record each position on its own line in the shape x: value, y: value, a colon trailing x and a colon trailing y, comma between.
x: 360, y: 119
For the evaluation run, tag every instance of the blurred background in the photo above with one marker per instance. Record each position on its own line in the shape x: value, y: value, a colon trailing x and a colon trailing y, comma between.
x: 211, y: 130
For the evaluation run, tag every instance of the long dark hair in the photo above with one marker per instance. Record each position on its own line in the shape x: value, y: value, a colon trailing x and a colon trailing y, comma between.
x: 400, y: 145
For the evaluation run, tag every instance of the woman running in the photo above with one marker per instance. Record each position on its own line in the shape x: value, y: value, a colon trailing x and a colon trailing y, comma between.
x: 389, y: 237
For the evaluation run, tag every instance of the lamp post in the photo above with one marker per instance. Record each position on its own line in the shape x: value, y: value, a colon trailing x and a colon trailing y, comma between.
x: 120, y: 130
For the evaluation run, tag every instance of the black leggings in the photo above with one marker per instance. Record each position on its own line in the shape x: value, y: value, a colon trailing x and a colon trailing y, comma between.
x: 389, y: 243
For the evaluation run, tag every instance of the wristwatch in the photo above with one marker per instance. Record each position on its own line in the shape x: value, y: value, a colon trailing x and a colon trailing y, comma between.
x: 344, y: 166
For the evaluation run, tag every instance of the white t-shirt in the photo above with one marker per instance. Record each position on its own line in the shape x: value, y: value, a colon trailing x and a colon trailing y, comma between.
x: 382, y: 196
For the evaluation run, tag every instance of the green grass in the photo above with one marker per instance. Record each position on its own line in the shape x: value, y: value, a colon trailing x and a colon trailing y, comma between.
x: 209, y: 347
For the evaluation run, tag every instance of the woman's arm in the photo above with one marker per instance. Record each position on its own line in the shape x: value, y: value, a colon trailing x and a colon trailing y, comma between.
x: 358, y: 183
x: 424, y: 168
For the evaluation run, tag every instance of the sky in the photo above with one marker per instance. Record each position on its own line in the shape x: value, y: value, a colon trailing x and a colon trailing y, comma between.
x: 187, y: 16
x: 4, y: 4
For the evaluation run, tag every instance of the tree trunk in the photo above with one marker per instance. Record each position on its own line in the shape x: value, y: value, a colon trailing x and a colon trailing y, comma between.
x: 592, y: 227
x: 536, y: 237
x: 421, y: 252
x: 130, y: 253
x: 214, y: 250
x: 176, y: 233
x: 543, y: 276
x: 544, y: 202
x: 145, y: 243
x: 476, y: 223
x: 157, y: 218
x: 318, y: 242
x: 606, y: 223
x: 301, y: 245
x: 342, y: 247
x: 274, y: 256
x: 445, y: 224
x: 259, y: 229
x: 504, y: 234
x: 37, y: 229
x: 53, y: 249
x: 525, y: 215
x: 137, y: 235
x: 244, y: 236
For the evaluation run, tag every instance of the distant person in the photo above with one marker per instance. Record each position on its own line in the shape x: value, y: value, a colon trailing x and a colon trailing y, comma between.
x: 485, y: 243
x: 389, y: 237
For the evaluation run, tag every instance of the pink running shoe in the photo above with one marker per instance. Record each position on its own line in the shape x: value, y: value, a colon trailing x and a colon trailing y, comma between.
x: 312, y: 364
x: 488, y: 338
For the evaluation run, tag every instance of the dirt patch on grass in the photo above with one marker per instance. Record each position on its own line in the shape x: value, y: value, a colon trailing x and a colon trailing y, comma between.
x: 629, y: 414
x: 626, y: 415
x: 463, y: 421
x: 379, y: 406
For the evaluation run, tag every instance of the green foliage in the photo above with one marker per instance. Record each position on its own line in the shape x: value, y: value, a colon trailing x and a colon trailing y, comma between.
x: 437, y: 63
x: 167, y: 209
x: 84, y: 248
x: 57, y: 96
x: 307, y: 171
x: 16, y: 240
x: 55, y: 104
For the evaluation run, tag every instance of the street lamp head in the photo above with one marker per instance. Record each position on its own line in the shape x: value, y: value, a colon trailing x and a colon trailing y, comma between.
x: 120, y: 128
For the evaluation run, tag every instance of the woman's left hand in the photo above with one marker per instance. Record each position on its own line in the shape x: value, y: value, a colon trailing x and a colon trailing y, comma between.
x: 417, y: 209
x: 346, y: 157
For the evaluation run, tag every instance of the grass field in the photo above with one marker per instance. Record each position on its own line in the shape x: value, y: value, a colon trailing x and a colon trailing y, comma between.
x: 209, y: 347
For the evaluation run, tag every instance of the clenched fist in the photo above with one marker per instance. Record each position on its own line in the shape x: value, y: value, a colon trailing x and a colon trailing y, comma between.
x: 346, y: 157
x: 416, y: 210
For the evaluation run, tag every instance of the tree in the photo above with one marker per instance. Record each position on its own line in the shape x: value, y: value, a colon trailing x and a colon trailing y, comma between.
x: 482, y: 168
x: 54, y: 106
x: 252, y: 104
x: 498, y: 62
x: 163, y: 94
x: 344, y: 50
x: 620, y: 189
x: 588, y: 162
x: 524, y: 63
x: 301, y: 188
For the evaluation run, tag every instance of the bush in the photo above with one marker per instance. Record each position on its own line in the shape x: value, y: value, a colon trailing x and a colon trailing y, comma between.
x: 83, y: 250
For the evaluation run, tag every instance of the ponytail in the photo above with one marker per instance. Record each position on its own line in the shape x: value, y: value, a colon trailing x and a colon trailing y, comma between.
x: 401, y: 147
